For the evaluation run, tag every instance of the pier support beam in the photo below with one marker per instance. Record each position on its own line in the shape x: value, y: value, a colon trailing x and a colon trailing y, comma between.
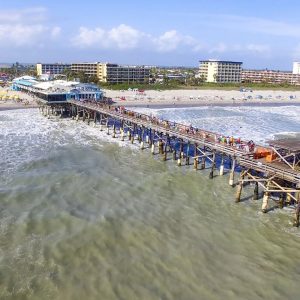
x: 165, y: 156
x: 203, y: 163
x: 211, y: 173
x: 196, y: 163
x: 231, y: 175
x: 222, y: 165
x: 240, y: 188
x: 114, y: 131
x: 281, y: 201
x: 181, y: 154
x: 174, y: 154
x: 255, y: 193
x: 296, y: 222
x: 153, y: 148
x: 179, y: 161
x: 264, y: 207
x: 187, y: 158
x: 160, y: 147
x: 195, y: 157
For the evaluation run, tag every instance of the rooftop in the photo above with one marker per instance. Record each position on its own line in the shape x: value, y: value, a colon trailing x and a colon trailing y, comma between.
x: 56, y: 86
x: 221, y: 61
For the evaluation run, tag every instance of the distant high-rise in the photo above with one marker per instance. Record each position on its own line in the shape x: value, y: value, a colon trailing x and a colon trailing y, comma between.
x: 220, y: 71
x: 296, y: 67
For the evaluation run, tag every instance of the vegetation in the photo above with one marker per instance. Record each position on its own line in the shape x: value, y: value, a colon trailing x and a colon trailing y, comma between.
x: 173, y: 85
x: 81, y: 76
x: 19, y: 70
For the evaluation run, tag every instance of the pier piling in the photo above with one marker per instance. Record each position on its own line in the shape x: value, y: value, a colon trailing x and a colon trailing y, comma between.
x: 281, y: 177
x: 231, y: 175
x: 255, y: 193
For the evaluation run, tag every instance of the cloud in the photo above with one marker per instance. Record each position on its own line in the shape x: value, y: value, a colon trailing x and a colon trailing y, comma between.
x: 168, y: 41
x: 88, y: 38
x: 127, y: 37
x: 25, y: 27
x: 20, y: 34
x: 172, y: 40
x: 55, y: 31
x: 121, y: 37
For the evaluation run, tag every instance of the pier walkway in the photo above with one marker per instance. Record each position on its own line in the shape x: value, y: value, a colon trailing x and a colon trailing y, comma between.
x: 279, y: 178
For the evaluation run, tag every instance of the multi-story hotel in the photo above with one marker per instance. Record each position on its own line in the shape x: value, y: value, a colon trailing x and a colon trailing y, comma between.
x: 114, y: 73
x: 51, y: 69
x: 90, y: 69
x: 270, y: 76
x: 220, y: 71
x: 105, y: 72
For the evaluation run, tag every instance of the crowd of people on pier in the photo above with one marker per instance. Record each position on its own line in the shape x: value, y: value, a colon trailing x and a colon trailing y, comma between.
x: 231, y: 141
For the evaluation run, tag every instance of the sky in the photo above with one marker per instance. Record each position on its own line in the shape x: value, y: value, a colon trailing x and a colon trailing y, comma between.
x: 260, y: 33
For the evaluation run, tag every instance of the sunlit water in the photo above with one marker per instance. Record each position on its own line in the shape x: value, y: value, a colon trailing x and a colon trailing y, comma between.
x: 83, y: 216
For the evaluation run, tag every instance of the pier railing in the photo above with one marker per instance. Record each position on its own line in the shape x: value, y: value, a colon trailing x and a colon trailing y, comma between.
x: 274, y: 178
x: 236, y: 148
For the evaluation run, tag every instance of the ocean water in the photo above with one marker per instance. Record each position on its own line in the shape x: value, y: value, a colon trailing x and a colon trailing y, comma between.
x: 85, y: 216
x: 257, y: 123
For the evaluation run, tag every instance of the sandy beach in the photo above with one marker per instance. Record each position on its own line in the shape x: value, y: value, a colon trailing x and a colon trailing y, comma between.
x: 180, y: 98
x: 15, y: 100
x: 170, y: 98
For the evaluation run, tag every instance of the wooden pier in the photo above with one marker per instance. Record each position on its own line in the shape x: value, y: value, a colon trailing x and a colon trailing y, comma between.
x: 278, y: 178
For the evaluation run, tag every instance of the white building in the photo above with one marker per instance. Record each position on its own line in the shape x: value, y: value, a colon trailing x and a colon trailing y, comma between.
x: 220, y: 71
x: 296, y: 67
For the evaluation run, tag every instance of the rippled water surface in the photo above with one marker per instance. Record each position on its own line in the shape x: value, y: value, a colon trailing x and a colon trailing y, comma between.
x: 83, y: 216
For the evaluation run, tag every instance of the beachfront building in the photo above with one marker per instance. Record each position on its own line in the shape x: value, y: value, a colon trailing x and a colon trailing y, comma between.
x: 296, y: 68
x: 114, y: 73
x: 51, y: 69
x: 57, y: 91
x: 220, y: 71
x: 270, y: 77
x: 90, y: 69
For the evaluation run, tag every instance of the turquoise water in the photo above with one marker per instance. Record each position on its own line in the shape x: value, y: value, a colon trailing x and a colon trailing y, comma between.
x: 83, y: 216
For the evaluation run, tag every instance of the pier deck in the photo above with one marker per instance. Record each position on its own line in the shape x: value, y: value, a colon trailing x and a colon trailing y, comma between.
x: 280, y: 169
x: 280, y: 177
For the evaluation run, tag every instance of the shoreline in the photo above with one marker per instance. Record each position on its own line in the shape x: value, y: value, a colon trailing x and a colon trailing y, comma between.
x: 161, y: 105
